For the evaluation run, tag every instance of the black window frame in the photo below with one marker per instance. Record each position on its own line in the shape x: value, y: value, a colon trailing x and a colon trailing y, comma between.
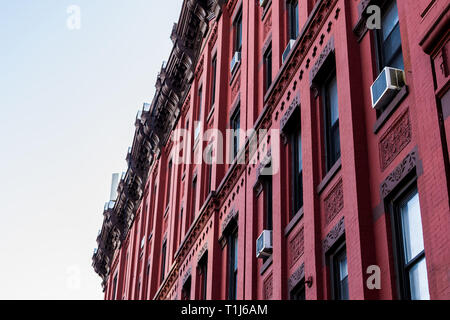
x: 213, y: 79
x: 332, y: 152
x: 268, y: 202
x: 186, y: 289
x: 163, y: 260
x: 401, y: 267
x: 169, y: 182
x: 381, y: 60
x: 235, y: 126
x: 335, y: 281
x: 237, y: 34
x: 268, y: 63
x: 203, y: 275
x: 292, y: 19
x: 296, y: 173
x: 194, y: 198
x: 298, y: 293
x: 232, y: 272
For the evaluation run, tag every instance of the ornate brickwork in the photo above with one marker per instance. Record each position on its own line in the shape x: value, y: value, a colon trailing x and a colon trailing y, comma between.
x: 296, y: 247
x: 334, y: 235
x: 395, y: 140
x: 296, y: 277
x: 268, y: 287
x: 334, y: 202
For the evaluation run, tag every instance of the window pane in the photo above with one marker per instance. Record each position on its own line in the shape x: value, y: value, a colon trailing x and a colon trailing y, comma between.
x: 392, y: 48
x: 333, y: 101
x: 412, y: 227
x: 418, y: 280
x: 299, y: 151
x: 389, y: 20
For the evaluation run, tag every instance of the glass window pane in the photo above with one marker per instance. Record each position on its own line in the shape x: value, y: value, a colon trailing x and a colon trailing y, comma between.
x: 343, y: 271
x: 392, y: 46
x: 418, y: 280
x: 299, y: 151
x: 389, y: 20
x: 412, y: 227
x: 333, y: 101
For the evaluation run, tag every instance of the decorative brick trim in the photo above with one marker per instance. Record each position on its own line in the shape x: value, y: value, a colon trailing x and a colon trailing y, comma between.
x: 326, y: 52
x: 395, y: 140
x: 296, y: 277
x: 408, y: 164
x: 333, y: 236
x: 334, y: 202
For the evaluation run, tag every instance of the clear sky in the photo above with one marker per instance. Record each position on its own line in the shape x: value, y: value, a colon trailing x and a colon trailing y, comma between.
x: 68, y: 100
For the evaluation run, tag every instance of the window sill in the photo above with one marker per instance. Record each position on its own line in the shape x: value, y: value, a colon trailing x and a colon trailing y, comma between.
x: 329, y: 176
x: 294, y: 221
x: 266, y: 265
x: 393, y: 105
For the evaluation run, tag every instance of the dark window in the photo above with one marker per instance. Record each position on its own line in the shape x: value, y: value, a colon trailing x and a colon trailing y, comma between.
x: 331, y: 118
x: 411, y: 263
x: 213, y: 80
x: 199, y: 113
x: 169, y: 181
x: 203, y: 276
x: 180, y: 226
x: 186, y: 290
x: 209, y: 173
x: 298, y: 293
x: 389, y: 44
x: 114, y: 287
x: 297, y: 170
x: 232, y: 265
x: 292, y: 7
x: 267, y: 68
x: 268, y: 210
x: 235, y: 127
x: 163, y: 261
x: 339, y: 273
x: 194, y: 199
x: 238, y: 32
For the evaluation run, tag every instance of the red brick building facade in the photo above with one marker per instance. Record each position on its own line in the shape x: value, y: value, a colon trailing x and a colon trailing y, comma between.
x: 357, y: 205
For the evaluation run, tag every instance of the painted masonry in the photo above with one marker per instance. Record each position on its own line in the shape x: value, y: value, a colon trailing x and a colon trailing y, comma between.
x: 354, y: 191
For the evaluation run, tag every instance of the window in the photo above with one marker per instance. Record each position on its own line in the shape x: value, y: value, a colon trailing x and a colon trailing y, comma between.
x: 297, y: 170
x: 180, y: 226
x: 213, y: 80
x: 232, y: 265
x: 169, y: 181
x: 163, y: 260
x: 411, y: 263
x: 235, y: 127
x: 268, y: 210
x: 238, y: 32
x: 203, y: 276
x: 331, y: 115
x: 298, y: 293
x: 209, y: 171
x: 194, y: 199
x: 339, y: 274
x: 292, y: 7
x: 114, y: 287
x: 388, y: 40
x: 186, y: 290
x: 267, y: 68
x: 199, y: 113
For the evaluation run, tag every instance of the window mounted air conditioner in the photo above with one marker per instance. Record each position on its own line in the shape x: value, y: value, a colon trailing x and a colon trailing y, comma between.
x: 263, y: 3
x: 235, y: 61
x: 264, y: 244
x: 287, y: 50
x: 386, y: 86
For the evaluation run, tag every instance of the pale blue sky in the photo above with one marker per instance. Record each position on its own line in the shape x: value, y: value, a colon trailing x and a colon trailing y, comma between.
x: 68, y: 100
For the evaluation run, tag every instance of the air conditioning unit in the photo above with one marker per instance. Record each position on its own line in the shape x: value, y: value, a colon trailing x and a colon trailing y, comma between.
x: 235, y: 61
x: 263, y: 3
x: 388, y: 83
x: 287, y: 50
x: 264, y: 244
